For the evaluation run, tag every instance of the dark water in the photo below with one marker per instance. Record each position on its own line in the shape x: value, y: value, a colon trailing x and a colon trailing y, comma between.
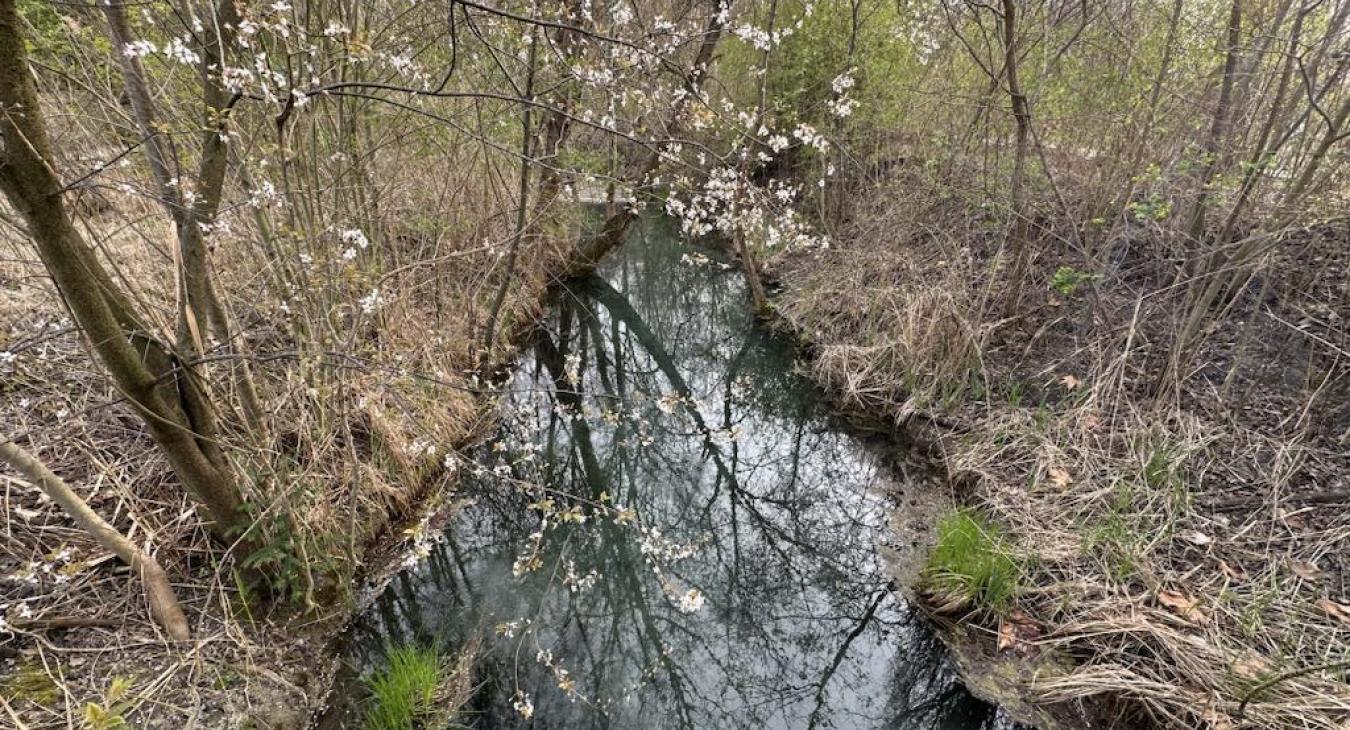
x: 671, y: 532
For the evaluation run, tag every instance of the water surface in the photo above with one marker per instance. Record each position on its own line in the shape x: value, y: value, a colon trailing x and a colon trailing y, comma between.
x: 670, y: 531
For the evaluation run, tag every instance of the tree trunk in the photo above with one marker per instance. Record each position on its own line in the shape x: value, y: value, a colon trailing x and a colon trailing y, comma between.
x: 146, y: 371
x: 1022, y: 115
x: 1218, y: 127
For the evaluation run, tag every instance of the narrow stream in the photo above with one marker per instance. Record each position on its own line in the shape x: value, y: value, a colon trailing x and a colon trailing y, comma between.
x: 670, y: 531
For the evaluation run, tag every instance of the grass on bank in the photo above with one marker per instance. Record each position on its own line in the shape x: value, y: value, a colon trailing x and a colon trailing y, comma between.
x: 405, y: 691
x: 973, y: 560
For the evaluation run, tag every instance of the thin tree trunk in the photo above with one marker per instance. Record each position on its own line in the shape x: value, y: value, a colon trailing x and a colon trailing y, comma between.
x: 1218, y: 127
x: 1022, y: 115
x: 163, y: 604
x: 198, y: 306
x: 522, y: 202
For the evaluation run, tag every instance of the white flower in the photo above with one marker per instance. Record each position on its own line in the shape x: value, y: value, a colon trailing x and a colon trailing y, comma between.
x: 7, y: 357
x: 691, y: 601
x: 300, y: 98
x: 843, y: 82
x: 355, y: 237
x: 349, y: 254
x: 138, y: 49
x: 371, y: 302
x: 262, y: 194
x: 841, y: 107
x: 236, y: 79
x: 572, y: 369
x: 521, y: 703
x: 179, y: 51
x: 335, y: 29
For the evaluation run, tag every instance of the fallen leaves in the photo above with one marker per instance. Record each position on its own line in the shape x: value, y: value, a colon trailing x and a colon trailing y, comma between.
x: 1060, y: 477
x: 1306, y: 570
x: 1184, y: 605
x: 1017, y: 631
x: 1335, y: 609
x: 1069, y: 381
x: 1252, y: 666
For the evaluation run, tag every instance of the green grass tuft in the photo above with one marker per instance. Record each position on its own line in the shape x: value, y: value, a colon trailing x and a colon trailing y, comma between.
x: 405, y: 690
x: 973, y: 558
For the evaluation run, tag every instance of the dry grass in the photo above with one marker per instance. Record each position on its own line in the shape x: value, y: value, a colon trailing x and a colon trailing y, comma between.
x: 1180, y: 553
x: 362, y: 420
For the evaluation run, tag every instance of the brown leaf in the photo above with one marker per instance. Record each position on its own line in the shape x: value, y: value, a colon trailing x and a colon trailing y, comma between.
x: 1251, y: 666
x: 1092, y: 422
x: 1069, y: 381
x: 1305, y: 569
x: 1184, y: 605
x: 1196, y: 537
x: 1017, y: 630
x: 1338, y: 611
x: 1059, y: 476
x: 1007, y: 636
x: 1234, y: 574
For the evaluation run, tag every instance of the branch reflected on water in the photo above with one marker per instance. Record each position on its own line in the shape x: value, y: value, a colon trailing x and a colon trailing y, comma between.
x: 670, y: 531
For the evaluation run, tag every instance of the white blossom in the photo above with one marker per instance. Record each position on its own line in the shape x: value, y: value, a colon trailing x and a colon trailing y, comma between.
x: 691, y: 601
x: 371, y: 302
x: 179, y: 51
x: 355, y: 237
x: 138, y: 49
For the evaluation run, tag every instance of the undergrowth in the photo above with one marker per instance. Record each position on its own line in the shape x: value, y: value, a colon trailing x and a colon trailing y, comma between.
x: 973, y: 559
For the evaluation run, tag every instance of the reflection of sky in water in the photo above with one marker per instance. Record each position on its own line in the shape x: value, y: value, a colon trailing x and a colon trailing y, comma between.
x: 656, y: 410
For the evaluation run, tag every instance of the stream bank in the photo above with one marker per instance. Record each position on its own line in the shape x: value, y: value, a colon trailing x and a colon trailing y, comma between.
x: 671, y: 523
x: 1177, y: 556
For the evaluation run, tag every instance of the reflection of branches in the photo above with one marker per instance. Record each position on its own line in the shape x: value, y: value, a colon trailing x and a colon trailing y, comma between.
x: 792, y: 590
x: 842, y: 651
x: 619, y: 308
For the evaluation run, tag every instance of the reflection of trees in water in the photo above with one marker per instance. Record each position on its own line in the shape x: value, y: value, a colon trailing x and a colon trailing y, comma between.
x: 798, y: 629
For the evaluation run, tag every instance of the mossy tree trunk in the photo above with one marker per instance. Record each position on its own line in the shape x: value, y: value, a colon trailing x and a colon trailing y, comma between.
x: 150, y: 373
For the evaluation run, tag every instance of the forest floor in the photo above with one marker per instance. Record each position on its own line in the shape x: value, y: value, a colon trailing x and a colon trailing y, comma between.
x: 1184, y: 558
x: 372, y: 473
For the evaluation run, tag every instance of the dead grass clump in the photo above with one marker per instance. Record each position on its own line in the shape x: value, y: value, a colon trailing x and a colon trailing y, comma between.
x: 891, y: 328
